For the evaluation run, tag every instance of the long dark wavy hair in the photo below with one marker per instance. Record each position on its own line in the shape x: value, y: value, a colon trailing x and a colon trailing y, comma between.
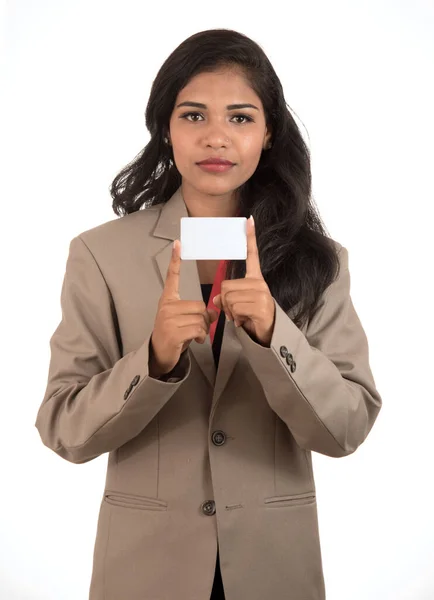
x: 298, y: 259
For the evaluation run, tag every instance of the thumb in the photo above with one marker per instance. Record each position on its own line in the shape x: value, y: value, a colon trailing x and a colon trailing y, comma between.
x: 213, y: 315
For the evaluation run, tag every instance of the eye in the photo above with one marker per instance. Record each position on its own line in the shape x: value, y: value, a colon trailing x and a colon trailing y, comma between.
x: 184, y: 116
x: 243, y: 117
x: 247, y: 117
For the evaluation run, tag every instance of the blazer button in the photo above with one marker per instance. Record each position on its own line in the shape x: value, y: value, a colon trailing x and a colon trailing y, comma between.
x: 127, y: 391
x: 289, y: 358
x: 283, y: 351
x: 291, y: 362
x: 218, y: 438
x: 208, y: 507
x: 136, y: 379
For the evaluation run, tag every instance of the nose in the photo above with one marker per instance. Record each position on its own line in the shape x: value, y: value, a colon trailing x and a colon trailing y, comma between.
x: 216, y: 136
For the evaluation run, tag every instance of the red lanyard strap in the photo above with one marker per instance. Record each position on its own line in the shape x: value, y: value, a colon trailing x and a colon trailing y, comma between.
x: 216, y: 289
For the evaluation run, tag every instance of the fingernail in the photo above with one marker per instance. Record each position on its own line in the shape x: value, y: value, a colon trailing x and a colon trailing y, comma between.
x: 252, y: 220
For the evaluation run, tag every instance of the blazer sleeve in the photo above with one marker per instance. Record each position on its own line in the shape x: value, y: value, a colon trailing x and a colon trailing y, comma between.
x: 95, y: 399
x: 328, y: 397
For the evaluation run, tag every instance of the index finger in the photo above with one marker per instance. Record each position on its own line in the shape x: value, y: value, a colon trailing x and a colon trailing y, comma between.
x: 171, y: 285
x: 253, y: 267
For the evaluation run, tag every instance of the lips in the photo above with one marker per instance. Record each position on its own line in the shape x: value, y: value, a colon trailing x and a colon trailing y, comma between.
x: 215, y: 161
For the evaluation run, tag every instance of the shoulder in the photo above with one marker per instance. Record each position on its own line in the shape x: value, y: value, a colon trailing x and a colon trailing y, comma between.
x: 337, y: 245
x: 120, y: 233
x: 342, y: 253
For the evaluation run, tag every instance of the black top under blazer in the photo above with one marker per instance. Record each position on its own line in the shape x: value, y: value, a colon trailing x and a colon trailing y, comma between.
x: 217, y: 588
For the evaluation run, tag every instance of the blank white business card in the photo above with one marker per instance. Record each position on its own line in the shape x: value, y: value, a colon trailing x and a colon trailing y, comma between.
x: 213, y: 238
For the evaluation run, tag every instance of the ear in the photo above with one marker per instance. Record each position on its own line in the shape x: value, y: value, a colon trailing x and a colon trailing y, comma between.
x: 267, y: 140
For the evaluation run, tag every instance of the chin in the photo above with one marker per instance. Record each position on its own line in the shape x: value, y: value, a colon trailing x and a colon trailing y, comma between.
x: 212, y: 187
x: 218, y: 190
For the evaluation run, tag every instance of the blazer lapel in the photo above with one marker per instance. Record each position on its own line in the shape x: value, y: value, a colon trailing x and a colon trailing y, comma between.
x: 169, y: 227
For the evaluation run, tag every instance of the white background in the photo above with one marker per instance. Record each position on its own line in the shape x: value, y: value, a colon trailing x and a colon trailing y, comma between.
x: 359, y: 75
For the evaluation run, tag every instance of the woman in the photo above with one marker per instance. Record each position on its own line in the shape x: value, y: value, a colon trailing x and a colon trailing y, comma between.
x: 209, y: 423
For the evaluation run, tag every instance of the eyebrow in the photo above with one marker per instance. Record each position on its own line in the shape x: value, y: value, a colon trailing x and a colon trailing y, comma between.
x: 229, y: 106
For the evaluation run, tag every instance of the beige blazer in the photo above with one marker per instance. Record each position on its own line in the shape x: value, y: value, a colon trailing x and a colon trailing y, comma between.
x: 207, y: 457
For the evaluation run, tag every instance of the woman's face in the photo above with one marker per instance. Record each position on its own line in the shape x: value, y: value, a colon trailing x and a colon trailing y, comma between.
x: 214, y: 130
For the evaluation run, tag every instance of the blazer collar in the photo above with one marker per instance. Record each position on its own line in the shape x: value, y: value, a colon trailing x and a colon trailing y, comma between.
x: 168, y: 227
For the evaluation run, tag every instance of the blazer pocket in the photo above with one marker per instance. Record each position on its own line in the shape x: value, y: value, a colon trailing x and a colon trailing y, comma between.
x: 134, y: 501
x: 290, y: 500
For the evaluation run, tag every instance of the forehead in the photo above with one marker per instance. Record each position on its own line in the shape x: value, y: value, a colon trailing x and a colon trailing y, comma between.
x: 219, y: 88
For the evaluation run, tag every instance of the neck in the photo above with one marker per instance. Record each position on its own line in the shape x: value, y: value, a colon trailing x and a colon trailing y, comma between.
x: 201, y: 204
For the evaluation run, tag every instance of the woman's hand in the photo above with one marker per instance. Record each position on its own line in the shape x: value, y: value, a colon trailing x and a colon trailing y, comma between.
x: 248, y: 302
x: 177, y: 322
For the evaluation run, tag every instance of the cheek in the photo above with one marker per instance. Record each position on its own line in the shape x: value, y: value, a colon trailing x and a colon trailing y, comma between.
x: 250, y: 159
x: 180, y: 145
x: 181, y: 154
x: 251, y: 148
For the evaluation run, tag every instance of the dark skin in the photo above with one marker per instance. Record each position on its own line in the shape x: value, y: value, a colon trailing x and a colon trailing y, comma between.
x: 219, y: 114
x: 248, y: 301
